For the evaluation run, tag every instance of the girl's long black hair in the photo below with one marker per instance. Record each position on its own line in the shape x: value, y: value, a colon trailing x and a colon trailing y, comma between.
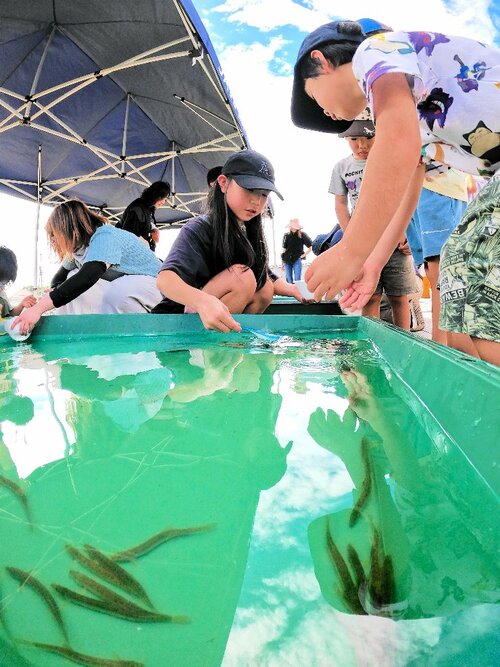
x: 230, y: 245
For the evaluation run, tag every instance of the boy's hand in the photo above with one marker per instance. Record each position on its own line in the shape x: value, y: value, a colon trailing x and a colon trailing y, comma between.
x: 332, y: 271
x: 215, y: 315
x: 358, y: 293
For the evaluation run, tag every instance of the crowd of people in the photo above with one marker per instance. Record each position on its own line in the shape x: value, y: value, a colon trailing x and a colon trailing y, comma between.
x: 421, y: 126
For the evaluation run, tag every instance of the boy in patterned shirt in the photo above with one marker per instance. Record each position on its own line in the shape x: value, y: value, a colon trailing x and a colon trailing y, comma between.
x: 434, y: 98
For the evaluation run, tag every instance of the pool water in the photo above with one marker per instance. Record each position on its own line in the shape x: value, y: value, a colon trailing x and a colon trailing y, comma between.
x: 323, y: 516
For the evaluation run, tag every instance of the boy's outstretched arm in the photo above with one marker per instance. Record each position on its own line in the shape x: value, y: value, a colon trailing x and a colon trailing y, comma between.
x: 358, y: 293
x: 389, y: 169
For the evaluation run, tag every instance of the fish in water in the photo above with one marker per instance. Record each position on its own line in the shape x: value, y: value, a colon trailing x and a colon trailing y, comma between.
x: 356, y: 565
x: 82, y: 658
x: 116, y: 605
x: 116, y: 574
x: 27, y: 579
x: 350, y: 594
x: 366, y: 487
x: 107, y: 569
x: 155, y: 541
x: 18, y: 491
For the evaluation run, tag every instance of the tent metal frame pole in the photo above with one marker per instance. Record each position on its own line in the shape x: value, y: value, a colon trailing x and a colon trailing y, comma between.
x: 38, y: 72
x: 33, y: 107
x: 36, y: 281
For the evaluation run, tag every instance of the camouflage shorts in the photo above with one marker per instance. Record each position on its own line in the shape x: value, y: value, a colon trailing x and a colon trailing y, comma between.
x: 470, y: 269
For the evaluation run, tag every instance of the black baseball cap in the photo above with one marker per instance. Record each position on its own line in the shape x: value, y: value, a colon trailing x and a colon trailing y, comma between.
x: 251, y: 170
x: 305, y: 112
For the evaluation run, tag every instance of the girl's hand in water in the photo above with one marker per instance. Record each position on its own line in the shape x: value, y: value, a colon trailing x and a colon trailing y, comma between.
x: 215, y: 315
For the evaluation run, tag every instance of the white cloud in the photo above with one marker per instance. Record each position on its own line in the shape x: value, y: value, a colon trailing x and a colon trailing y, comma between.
x: 303, y: 160
x: 461, y: 17
x: 267, y: 15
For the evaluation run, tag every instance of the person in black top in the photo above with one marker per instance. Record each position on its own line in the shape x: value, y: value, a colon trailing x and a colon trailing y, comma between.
x: 293, y: 250
x: 139, y: 216
x: 218, y: 263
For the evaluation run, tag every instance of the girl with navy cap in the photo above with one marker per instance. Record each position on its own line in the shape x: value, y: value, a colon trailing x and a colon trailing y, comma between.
x: 218, y: 264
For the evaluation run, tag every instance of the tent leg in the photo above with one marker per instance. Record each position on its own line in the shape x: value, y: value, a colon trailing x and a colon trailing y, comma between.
x: 36, y: 277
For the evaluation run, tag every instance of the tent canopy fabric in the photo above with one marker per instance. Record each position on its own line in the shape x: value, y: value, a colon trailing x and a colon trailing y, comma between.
x: 100, y: 99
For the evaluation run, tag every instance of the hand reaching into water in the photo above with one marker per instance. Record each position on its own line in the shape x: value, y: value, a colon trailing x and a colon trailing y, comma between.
x: 215, y: 315
x: 332, y: 271
x: 362, y: 398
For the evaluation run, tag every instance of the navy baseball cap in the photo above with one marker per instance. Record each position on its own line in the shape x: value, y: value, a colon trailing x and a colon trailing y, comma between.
x: 306, y: 113
x: 251, y: 170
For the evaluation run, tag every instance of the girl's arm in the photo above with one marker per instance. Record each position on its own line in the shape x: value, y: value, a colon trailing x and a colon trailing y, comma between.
x: 283, y: 288
x: 213, y: 313
x: 342, y: 211
x: 389, y: 169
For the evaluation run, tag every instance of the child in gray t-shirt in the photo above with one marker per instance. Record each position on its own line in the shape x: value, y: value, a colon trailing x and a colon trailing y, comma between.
x: 397, y: 279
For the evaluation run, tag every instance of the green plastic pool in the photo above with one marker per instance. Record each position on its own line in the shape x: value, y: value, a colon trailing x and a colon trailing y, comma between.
x: 175, y: 497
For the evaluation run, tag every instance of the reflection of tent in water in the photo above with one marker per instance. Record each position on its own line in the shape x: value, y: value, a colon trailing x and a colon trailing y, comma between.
x: 99, y: 99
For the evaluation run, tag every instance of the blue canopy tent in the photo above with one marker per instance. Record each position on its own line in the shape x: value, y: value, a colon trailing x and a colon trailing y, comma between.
x: 100, y: 99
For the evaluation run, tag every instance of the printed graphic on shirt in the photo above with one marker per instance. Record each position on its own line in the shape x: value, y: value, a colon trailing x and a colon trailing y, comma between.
x: 455, y: 83
x: 492, y: 285
x: 435, y: 107
x: 483, y: 143
x: 468, y: 77
x: 427, y: 41
x: 452, y: 289
x: 380, y: 43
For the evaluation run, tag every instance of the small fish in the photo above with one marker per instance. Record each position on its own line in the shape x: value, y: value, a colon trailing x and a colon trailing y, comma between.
x: 375, y: 586
x: 93, y: 586
x: 157, y: 540
x: 350, y: 594
x: 366, y: 487
x: 388, y: 587
x: 18, y: 491
x: 82, y: 658
x: 27, y: 579
x: 116, y: 605
x: 356, y: 565
x: 116, y: 574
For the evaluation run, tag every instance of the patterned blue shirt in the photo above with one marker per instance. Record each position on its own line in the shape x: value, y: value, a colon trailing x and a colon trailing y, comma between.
x: 124, y: 251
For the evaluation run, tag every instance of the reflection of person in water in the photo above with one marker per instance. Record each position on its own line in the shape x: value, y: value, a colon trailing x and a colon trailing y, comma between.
x: 202, y: 459
x: 438, y: 553
x: 16, y: 409
x: 234, y: 382
x: 131, y: 392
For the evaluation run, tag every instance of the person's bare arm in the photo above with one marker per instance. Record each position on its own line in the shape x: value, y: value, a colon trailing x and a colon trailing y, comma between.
x: 213, y: 313
x: 360, y: 290
x: 389, y: 169
x: 283, y: 288
x: 342, y: 211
